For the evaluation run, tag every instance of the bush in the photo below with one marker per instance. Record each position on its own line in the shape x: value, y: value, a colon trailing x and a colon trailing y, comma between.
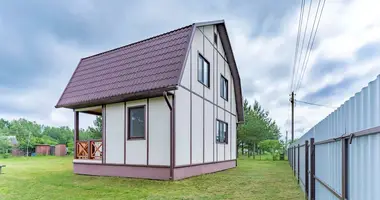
x: 6, y: 155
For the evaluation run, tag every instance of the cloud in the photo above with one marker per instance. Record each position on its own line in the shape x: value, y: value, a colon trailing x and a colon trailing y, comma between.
x: 43, y: 41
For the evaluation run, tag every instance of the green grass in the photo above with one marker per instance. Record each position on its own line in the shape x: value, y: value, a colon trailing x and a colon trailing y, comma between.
x: 52, y: 178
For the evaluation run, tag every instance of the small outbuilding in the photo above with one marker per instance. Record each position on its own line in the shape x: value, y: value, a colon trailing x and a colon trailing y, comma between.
x: 43, y: 149
x: 60, y: 150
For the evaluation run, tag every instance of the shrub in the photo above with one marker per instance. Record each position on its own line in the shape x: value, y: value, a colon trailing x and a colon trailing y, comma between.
x: 6, y: 155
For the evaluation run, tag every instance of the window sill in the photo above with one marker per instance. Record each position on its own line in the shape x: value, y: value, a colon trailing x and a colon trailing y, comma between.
x: 207, y: 86
x: 137, y: 138
x: 221, y: 142
x: 224, y: 98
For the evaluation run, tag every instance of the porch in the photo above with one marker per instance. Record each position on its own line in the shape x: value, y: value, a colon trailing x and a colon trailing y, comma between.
x: 88, y: 150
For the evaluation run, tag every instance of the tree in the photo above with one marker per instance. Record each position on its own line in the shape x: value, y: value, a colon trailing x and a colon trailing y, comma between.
x: 274, y: 147
x: 257, y: 127
x: 97, y: 129
x: 29, y: 133
x: 5, y: 145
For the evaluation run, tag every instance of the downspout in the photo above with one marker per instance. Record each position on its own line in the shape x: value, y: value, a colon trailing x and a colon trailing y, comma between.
x: 171, y: 108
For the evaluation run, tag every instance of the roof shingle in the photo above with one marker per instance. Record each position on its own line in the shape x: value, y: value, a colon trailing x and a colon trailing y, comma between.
x: 142, y: 66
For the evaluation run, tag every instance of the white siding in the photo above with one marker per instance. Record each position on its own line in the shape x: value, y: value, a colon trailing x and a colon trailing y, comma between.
x: 220, y: 72
x: 182, y: 120
x: 209, y: 32
x: 233, y: 138
x: 197, y: 130
x: 209, y: 129
x: 185, y: 81
x: 196, y: 48
x: 136, y: 149
x: 233, y: 100
x: 227, y: 146
x: 205, y: 104
x: 220, y: 47
x: 115, y: 133
x: 221, y: 150
x: 228, y: 76
x: 159, y: 132
x: 221, y: 147
x: 215, y: 132
x: 208, y: 53
x: 136, y: 152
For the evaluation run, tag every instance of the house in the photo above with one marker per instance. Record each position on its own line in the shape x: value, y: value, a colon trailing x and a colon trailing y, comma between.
x: 14, y: 144
x: 170, y: 105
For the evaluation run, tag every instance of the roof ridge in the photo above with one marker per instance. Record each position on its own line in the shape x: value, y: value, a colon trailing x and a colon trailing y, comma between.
x: 140, y: 41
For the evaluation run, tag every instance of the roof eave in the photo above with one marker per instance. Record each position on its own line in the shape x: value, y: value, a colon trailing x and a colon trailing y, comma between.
x: 119, y: 98
x: 234, y: 70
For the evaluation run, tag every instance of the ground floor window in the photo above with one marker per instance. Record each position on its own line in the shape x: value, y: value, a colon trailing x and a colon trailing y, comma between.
x: 136, y: 123
x: 222, y: 132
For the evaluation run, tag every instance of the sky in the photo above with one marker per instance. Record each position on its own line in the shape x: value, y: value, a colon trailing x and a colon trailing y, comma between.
x: 41, y: 43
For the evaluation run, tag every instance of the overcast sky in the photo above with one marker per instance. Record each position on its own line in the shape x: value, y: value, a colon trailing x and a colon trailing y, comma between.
x: 41, y: 44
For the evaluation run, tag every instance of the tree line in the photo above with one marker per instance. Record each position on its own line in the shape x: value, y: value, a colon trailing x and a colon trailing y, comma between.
x: 259, y: 133
x: 29, y: 134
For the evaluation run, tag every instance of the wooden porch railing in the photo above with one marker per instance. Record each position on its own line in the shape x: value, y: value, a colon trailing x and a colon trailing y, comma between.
x: 91, y: 149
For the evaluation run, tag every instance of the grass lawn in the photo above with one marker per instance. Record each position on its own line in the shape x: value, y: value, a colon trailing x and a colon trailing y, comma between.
x: 52, y: 178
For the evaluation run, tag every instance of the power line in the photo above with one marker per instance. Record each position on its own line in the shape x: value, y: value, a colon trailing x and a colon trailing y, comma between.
x: 308, y: 45
x: 303, y: 40
x: 306, y: 61
x: 297, y: 43
x: 315, y: 104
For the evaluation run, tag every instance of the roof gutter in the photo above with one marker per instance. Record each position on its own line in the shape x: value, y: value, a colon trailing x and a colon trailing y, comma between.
x: 171, y: 106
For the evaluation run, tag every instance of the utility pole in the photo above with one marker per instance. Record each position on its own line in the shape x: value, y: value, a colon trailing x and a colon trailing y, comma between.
x: 292, y: 102
x: 286, y: 139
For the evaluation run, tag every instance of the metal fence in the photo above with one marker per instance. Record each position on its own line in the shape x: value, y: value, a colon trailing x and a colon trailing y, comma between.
x: 339, y: 158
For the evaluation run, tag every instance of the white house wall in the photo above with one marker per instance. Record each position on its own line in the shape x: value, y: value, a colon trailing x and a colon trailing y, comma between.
x: 182, y: 120
x: 233, y: 137
x: 115, y: 133
x: 196, y: 48
x: 154, y: 149
x: 185, y: 81
x: 208, y: 129
x: 227, y: 152
x: 198, y: 107
x: 159, y: 132
x: 197, y: 129
x: 136, y: 148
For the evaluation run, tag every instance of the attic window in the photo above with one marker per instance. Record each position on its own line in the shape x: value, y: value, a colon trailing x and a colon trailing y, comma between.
x: 203, y: 71
x: 223, y: 88
x: 215, y: 39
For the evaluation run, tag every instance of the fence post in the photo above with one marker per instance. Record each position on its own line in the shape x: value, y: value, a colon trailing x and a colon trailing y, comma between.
x: 291, y: 159
x: 344, y: 167
x: 298, y: 164
x: 307, y: 168
x: 312, y: 169
x: 294, y: 160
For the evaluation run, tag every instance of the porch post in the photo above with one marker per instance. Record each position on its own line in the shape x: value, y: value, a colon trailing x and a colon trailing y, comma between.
x: 104, y: 134
x: 76, y: 132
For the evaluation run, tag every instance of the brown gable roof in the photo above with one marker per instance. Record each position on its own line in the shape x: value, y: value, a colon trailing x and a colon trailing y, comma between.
x: 142, y: 69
